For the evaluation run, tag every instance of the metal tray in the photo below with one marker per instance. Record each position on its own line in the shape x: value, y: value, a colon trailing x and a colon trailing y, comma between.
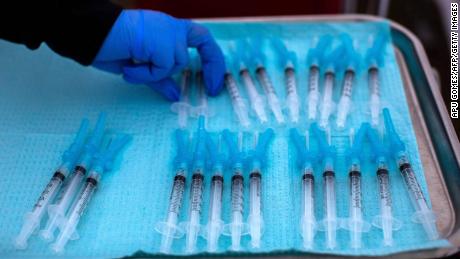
x: 438, y: 144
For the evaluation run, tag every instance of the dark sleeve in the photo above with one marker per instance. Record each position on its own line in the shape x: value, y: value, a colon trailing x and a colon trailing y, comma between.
x: 74, y: 29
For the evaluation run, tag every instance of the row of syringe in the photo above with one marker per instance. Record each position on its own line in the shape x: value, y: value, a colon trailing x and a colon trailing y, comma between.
x: 64, y: 212
x: 237, y: 161
x: 321, y: 59
x: 209, y: 155
x: 355, y: 223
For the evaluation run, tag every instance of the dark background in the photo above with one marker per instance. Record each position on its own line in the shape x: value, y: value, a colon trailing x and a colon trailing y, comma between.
x: 428, y: 19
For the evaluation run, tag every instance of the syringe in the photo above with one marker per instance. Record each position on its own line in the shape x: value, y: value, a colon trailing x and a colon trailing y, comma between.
x: 374, y: 89
x: 374, y: 59
x: 257, y: 103
x: 192, y: 227
x: 315, y: 60
x: 239, y: 107
x: 215, y: 223
x: 33, y: 218
x: 345, y: 98
x: 256, y: 161
x: 182, y: 108
x: 265, y: 81
x: 201, y: 106
x: 58, y: 210
x: 355, y: 224
x: 169, y: 228
x: 202, y: 109
x: 352, y: 59
x: 423, y: 214
x: 332, y: 63
x: 236, y: 228
x: 305, y: 160
x: 287, y: 61
x: 330, y: 222
x: 385, y: 220
x: 103, y: 163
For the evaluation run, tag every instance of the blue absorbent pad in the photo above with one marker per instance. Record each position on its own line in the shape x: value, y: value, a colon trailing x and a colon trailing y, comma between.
x: 43, y: 97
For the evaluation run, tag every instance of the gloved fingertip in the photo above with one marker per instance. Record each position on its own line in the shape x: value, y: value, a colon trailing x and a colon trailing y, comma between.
x: 133, y: 80
x: 215, y: 87
x: 167, y: 88
x: 214, y: 77
x: 137, y: 74
x: 198, y: 34
x: 173, y: 96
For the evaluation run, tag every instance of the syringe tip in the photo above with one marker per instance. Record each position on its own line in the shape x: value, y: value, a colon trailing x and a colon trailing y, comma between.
x: 395, y: 141
x: 20, y: 243
x: 57, y: 249
x: 29, y: 226
x: 428, y: 221
x: 165, y: 245
x: 46, y: 235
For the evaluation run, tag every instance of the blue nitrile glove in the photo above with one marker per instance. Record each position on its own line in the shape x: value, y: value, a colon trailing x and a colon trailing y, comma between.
x: 147, y: 47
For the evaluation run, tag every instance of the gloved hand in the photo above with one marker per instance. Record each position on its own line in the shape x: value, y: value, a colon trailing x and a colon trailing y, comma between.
x: 147, y: 47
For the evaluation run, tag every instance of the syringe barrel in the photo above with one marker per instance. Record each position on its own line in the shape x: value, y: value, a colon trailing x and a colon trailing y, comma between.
x: 373, y: 81
x: 33, y: 218
x: 313, y: 92
x: 347, y: 88
x: 291, y: 84
x: 182, y: 116
x: 236, y: 225
x: 196, y: 191
x: 265, y: 81
x: 374, y: 89
x: 237, y: 193
x: 203, y: 97
x: 255, y: 192
x: 255, y: 219
x: 49, y: 193
x: 329, y: 195
x: 177, y: 194
x: 257, y: 103
x: 313, y: 79
x: 330, y: 221
x: 250, y: 86
x: 70, y: 188
x: 31, y: 223
x: 308, y: 183
x: 182, y: 107
x: 75, y: 214
x: 58, y: 210
x: 292, y: 97
x: 326, y: 108
x: 192, y: 231
x: 355, y: 195
x: 308, y: 221
x: 345, y: 98
x: 383, y: 179
x: 83, y: 199
x: 215, y: 205
x: 328, y: 85
x: 423, y: 214
x: 64, y: 236
x: 185, y: 85
x: 232, y: 89
x: 275, y: 106
x: 236, y: 229
x: 415, y: 192
x: 356, y: 222
x: 237, y: 101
